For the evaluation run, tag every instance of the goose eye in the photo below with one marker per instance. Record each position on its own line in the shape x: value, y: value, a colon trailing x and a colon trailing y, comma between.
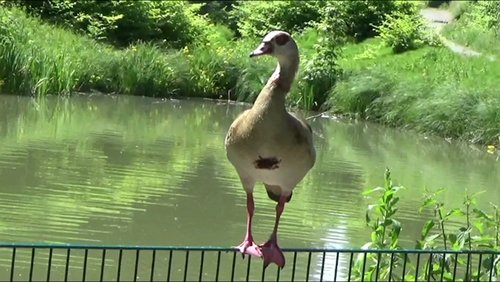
x: 281, y: 39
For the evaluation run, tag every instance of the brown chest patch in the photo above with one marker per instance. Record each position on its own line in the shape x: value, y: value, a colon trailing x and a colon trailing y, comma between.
x: 267, y: 163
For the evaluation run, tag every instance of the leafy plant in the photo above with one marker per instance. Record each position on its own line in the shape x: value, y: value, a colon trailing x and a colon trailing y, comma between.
x: 402, y: 32
x: 484, y: 15
x: 256, y: 18
x: 479, y: 230
x: 218, y: 11
x: 471, y: 236
x: 385, y: 230
x: 175, y: 23
x: 360, y: 17
x: 317, y: 76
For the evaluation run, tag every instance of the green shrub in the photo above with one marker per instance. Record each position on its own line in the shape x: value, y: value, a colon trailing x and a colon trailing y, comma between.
x: 431, y: 90
x: 484, y: 15
x: 477, y: 229
x: 317, y: 76
x: 123, y: 22
x: 353, y: 18
x: 256, y: 18
x: 361, y: 16
x: 218, y: 11
x: 402, y: 32
x: 478, y: 27
x: 332, y: 23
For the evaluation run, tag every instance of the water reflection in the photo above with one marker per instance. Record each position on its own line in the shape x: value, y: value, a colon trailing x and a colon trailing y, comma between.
x: 133, y: 170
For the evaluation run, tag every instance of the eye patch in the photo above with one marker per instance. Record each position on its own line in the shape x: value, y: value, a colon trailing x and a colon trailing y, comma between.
x: 282, y: 39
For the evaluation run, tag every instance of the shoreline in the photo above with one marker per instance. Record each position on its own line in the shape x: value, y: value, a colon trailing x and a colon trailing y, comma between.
x: 412, y: 90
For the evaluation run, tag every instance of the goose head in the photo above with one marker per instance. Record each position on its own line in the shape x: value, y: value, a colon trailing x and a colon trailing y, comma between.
x: 278, y: 44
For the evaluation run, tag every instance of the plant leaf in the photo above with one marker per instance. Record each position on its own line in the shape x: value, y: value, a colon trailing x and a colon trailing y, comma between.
x: 367, y: 192
x: 481, y: 214
x: 454, y: 212
x: 432, y: 237
x: 428, y: 202
x: 427, y: 227
x: 479, y: 226
x: 452, y: 238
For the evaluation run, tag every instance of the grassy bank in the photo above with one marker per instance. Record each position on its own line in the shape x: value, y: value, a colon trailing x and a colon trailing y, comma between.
x: 478, y: 27
x: 39, y: 59
x: 429, y: 89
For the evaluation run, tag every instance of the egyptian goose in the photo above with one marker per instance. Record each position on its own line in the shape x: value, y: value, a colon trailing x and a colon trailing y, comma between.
x: 267, y: 144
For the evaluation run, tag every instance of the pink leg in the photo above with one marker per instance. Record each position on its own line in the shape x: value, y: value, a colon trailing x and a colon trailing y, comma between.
x: 248, y: 246
x: 271, y: 252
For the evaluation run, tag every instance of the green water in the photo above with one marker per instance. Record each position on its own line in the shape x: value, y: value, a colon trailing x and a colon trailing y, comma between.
x: 142, y: 171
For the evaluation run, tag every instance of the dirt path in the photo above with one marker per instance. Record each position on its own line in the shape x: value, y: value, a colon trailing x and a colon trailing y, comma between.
x: 437, y: 19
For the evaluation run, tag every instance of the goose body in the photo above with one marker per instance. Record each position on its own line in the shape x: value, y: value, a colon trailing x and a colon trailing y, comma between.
x: 272, y: 135
x: 269, y: 145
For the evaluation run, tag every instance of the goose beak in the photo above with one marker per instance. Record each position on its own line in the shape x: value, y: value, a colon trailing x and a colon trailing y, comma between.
x: 263, y: 49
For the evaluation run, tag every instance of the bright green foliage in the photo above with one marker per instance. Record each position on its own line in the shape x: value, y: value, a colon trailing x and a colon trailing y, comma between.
x: 37, y: 59
x: 385, y: 232
x: 317, y: 76
x: 332, y: 23
x: 361, y: 17
x: 256, y: 18
x: 123, y: 22
x: 29, y: 69
x: 402, y: 32
x: 384, y: 224
x: 480, y: 230
x: 478, y: 27
x: 353, y: 18
x: 484, y: 15
x: 218, y: 11
x: 404, y: 29
x: 429, y: 89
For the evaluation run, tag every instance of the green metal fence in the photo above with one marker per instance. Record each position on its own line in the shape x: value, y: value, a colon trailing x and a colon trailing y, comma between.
x: 47, y: 262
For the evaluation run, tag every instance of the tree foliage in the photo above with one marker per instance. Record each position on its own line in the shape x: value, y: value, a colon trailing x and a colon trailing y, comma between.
x: 256, y: 18
x: 403, y: 32
x: 485, y: 15
x: 123, y: 22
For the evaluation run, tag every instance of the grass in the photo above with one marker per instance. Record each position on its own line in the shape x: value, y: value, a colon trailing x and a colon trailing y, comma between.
x: 481, y: 40
x: 473, y: 27
x: 40, y: 59
x: 456, y: 8
x: 430, y: 90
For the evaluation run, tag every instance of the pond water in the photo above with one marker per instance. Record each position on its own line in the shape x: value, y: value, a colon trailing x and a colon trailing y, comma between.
x: 142, y: 171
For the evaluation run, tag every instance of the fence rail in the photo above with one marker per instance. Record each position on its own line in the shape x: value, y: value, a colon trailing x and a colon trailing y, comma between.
x: 50, y: 262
